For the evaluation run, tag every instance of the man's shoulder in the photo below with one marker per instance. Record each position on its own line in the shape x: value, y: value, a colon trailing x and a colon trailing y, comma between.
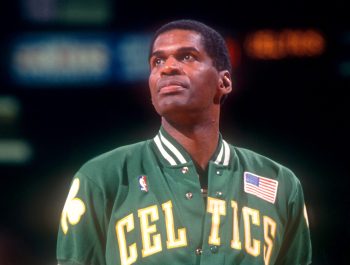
x: 249, y: 155
x: 253, y: 161
x: 113, y: 162
x: 118, y: 155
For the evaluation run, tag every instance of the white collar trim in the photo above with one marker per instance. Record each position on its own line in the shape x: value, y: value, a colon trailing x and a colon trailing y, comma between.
x: 172, y: 154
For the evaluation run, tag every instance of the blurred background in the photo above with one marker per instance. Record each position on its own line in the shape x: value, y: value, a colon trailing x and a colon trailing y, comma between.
x: 73, y: 84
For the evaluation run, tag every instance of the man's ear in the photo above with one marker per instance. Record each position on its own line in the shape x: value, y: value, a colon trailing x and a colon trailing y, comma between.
x: 225, y: 85
x: 225, y: 82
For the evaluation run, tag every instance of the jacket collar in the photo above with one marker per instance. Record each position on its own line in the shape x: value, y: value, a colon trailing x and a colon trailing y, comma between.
x: 173, y: 154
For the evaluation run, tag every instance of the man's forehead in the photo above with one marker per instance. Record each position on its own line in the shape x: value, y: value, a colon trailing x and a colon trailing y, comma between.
x: 177, y: 38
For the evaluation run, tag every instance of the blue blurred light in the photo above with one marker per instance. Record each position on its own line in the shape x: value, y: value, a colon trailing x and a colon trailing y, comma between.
x: 60, y: 59
x: 80, y: 59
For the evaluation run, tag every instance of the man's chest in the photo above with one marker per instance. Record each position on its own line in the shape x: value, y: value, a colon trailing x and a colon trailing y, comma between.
x: 164, y: 217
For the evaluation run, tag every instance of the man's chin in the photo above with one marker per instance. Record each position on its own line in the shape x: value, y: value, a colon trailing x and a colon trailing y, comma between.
x: 172, y: 108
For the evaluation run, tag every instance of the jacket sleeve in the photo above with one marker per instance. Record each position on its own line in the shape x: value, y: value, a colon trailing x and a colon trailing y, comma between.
x: 296, y: 248
x: 82, y: 234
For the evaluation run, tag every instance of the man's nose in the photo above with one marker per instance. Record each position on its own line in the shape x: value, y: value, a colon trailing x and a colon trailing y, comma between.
x: 171, y: 67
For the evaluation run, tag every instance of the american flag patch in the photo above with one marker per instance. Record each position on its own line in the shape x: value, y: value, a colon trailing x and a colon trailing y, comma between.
x: 264, y: 188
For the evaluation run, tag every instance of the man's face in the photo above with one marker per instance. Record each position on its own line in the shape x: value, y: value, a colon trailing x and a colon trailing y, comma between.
x: 183, y: 78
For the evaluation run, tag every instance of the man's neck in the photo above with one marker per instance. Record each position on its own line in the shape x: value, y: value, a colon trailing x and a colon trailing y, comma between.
x: 199, y: 140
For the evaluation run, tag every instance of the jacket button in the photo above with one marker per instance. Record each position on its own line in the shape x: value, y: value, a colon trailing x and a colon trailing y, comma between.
x: 214, y: 249
x: 184, y: 170
x: 189, y: 195
x: 218, y: 194
x: 198, y: 251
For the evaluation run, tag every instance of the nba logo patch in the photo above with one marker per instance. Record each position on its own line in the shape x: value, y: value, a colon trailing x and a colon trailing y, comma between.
x: 143, y: 183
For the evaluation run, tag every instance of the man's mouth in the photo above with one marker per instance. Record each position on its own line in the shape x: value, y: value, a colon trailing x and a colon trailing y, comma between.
x: 170, y: 86
x: 171, y: 89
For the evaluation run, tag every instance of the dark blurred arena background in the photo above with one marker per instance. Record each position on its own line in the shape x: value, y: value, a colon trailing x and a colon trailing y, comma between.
x: 74, y: 84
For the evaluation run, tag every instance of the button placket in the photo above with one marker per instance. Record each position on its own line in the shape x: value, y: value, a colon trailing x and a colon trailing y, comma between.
x: 217, y: 186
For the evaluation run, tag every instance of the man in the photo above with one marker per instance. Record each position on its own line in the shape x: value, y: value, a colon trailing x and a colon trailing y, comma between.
x: 186, y: 196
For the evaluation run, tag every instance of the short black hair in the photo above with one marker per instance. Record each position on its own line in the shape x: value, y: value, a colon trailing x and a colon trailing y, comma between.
x: 214, y: 44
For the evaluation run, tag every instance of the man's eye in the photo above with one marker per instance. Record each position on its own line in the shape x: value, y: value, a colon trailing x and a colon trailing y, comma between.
x: 188, y: 57
x: 158, y: 61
